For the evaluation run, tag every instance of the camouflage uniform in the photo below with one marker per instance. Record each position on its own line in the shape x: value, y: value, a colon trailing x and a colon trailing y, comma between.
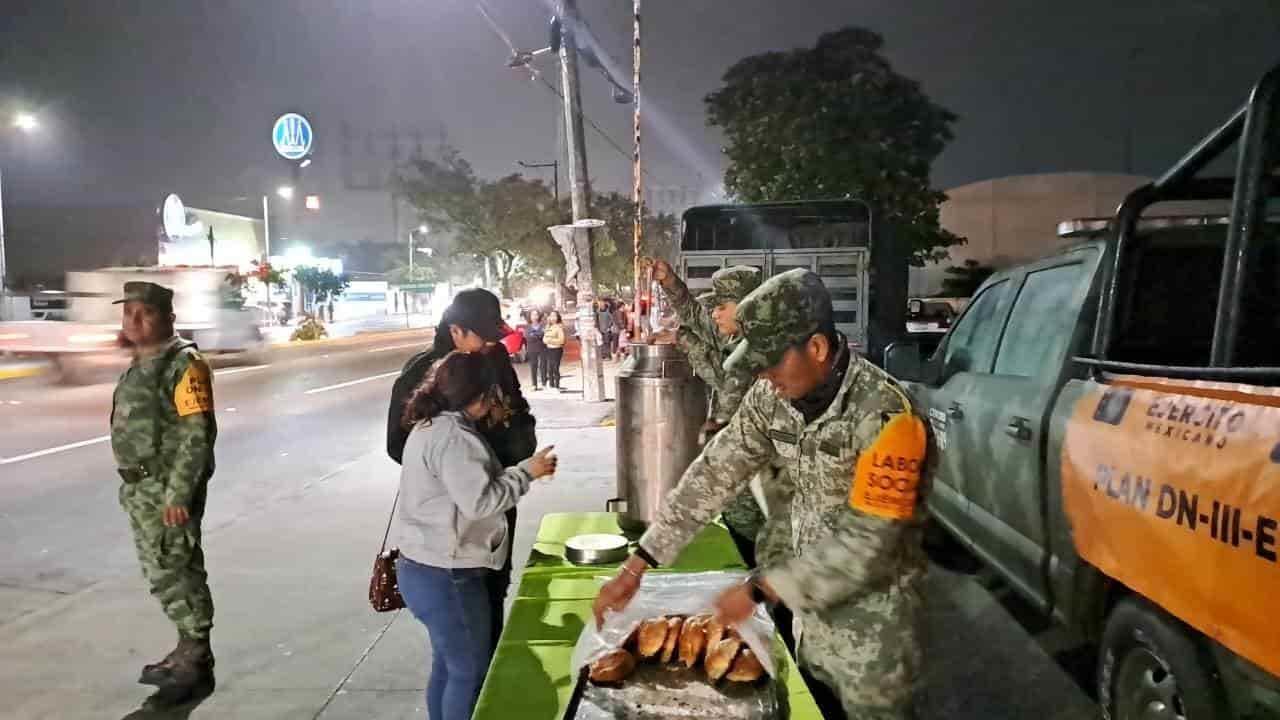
x: 845, y: 557
x: 162, y: 436
x: 707, y: 350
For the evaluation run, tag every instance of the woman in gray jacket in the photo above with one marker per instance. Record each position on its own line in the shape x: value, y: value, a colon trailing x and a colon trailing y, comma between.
x: 452, y: 526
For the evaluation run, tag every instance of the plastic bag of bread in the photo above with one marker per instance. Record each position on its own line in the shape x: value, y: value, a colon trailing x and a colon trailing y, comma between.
x: 665, y: 604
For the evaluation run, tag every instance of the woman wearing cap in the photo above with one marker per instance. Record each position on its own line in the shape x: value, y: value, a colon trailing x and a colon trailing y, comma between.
x: 452, y: 532
x: 473, y: 323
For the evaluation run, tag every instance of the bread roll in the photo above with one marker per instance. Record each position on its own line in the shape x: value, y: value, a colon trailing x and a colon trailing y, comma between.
x: 672, y: 640
x: 612, y: 668
x: 653, y: 633
x: 746, y: 667
x: 715, y: 633
x: 720, y: 657
x: 693, y: 640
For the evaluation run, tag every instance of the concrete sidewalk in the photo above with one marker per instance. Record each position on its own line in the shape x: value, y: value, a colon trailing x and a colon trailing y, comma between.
x: 295, y: 637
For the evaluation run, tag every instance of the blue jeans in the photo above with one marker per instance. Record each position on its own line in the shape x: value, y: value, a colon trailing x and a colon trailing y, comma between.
x: 455, y: 607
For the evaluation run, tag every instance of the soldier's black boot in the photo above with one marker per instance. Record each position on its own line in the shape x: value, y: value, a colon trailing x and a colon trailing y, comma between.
x: 152, y: 673
x: 188, y: 678
x: 162, y: 673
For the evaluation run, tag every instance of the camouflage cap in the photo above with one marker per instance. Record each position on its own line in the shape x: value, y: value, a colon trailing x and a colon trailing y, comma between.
x: 785, y: 310
x: 147, y: 293
x: 731, y: 284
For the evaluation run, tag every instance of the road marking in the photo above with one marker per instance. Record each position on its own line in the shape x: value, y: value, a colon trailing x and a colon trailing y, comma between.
x: 50, y: 451
x: 397, y: 347
x: 339, y: 386
x: 233, y: 371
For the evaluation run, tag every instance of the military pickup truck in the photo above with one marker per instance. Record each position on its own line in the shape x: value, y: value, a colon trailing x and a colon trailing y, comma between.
x: 1108, y: 432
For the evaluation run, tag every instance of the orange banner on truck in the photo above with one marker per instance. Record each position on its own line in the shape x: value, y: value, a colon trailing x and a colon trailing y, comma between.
x: 1173, y: 488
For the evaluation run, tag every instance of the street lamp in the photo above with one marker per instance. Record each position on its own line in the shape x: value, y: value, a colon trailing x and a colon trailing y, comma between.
x: 27, y: 123
x: 423, y: 229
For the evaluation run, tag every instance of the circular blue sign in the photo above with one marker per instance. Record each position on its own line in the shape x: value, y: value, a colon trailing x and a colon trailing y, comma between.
x: 291, y: 136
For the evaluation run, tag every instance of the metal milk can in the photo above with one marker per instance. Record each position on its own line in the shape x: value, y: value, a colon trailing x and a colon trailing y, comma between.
x: 661, y: 408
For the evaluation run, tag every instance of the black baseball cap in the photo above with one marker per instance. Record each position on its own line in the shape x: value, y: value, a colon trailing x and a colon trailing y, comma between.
x: 479, y: 311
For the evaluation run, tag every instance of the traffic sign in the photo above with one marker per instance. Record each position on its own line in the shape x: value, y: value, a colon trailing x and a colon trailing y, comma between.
x: 292, y: 136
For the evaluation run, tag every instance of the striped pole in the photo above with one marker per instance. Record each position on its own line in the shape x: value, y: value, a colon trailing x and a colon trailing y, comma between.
x: 637, y: 194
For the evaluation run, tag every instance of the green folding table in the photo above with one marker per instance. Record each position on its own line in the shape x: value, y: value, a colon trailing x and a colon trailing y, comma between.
x: 530, y: 675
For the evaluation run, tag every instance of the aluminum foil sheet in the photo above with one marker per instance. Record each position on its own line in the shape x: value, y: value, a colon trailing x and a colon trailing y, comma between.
x: 657, y: 692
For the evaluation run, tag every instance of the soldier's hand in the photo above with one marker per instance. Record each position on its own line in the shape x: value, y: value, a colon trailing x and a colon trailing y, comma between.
x: 175, y: 515
x: 735, y: 604
x: 617, y: 593
x: 662, y: 271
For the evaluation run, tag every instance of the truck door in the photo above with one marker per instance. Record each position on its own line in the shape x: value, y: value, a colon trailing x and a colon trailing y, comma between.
x: 1005, y: 413
x: 969, y: 351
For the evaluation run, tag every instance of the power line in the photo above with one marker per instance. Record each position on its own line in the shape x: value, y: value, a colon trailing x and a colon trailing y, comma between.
x: 501, y: 33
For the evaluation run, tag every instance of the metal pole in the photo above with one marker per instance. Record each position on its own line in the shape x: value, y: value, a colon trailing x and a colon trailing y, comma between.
x: 4, y: 277
x: 266, y: 254
x: 410, y: 280
x: 637, y: 191
x: 580, y: 197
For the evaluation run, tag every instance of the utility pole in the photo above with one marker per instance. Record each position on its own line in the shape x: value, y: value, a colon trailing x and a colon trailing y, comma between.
x: 580, y: 196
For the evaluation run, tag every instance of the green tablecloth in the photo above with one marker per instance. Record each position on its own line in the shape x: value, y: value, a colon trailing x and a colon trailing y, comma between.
x: 529, y: 676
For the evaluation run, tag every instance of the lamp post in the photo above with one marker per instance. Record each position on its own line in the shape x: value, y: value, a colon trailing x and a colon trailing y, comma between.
x: 26, y: 123
x: 284, y: 192
x: 409, y: 280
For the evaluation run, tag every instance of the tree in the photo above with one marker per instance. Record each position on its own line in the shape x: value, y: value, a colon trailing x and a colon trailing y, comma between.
x: 615, y: 256
x: 964, y: 280
x: 835, y: 121
x: 320, y: 285
x: 504, y: 221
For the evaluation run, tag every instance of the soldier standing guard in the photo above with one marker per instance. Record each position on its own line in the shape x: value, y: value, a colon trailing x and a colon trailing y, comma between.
x: 708, y: 332
x: 843, y: 547
x: 162, y: 436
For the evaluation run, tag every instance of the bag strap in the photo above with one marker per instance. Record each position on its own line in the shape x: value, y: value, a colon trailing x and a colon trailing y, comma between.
x: 390, y: 517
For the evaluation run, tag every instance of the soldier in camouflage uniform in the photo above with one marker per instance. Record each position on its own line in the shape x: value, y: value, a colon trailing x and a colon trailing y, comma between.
x: 707, y: 334
x: 842, y: 548
x: 162, y: 436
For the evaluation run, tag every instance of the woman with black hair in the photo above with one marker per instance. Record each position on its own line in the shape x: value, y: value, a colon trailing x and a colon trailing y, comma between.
x: 451, y: 524
x: 473, y: 323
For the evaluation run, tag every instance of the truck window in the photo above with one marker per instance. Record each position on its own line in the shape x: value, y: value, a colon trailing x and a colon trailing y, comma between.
x: 973, y: 340
x: 1170, y: 281
x: 1040, y: 325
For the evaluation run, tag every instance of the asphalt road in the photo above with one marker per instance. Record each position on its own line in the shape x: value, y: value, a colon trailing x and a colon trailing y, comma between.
x: 297, y: 418
x: 299, y: 448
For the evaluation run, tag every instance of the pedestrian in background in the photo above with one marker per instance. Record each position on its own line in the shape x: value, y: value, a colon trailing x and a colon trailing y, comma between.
x: 473, y: 323
x: 451, y: 525
x: 535, y: 349
x: 162, y: 436
x: 608, y: 330
x: 553, y: 336
x: 621, y: 325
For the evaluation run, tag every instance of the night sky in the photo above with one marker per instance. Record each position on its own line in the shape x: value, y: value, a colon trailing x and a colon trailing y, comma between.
x: 144, y: 97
